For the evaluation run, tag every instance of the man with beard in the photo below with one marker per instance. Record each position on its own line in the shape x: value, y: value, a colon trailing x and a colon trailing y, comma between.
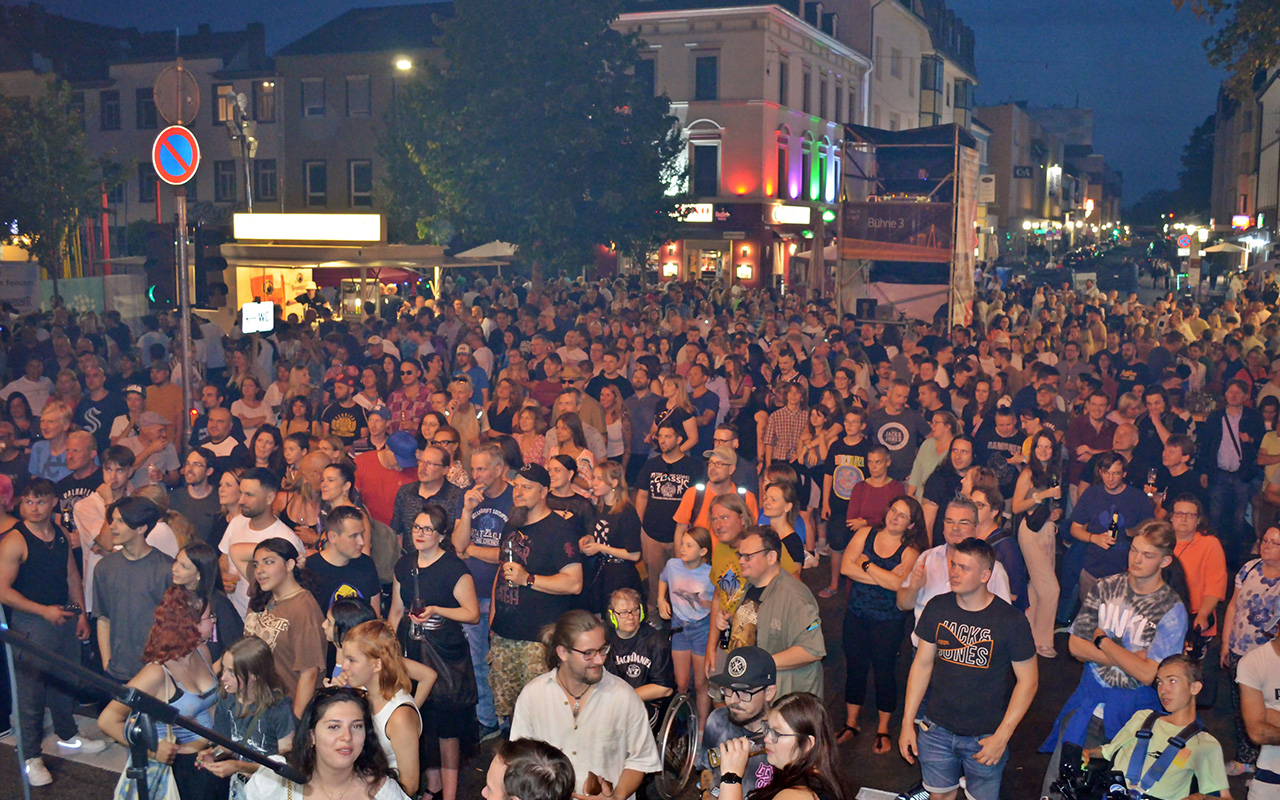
x: 593, y: 716
x: 661, y: 486
x: 944, y: 484
x: 749, y: 687
x: 344, y: 418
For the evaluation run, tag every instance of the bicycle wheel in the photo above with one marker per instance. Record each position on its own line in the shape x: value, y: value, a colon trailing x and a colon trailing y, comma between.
x: 678, y: 740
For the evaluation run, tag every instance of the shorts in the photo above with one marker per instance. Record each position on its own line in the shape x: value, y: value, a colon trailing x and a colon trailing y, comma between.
x: 692, y: 636
x: 838, y: 533
x: 946, y: 756
x: 512, y: 664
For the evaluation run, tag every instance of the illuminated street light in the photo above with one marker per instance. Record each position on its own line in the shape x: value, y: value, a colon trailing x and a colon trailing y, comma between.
x: 404, y: 64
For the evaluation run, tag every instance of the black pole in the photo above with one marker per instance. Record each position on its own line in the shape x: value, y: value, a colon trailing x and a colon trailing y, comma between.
x: 148, y: 710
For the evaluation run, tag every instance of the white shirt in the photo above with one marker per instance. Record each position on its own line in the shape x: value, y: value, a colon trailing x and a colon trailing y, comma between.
x: 1260, y: 669
x: 37, y: 392
x: 936, y: 581
x: 239, y: 532
x: 610, y: 734
x: 595, y: 441
x: 267, y: 785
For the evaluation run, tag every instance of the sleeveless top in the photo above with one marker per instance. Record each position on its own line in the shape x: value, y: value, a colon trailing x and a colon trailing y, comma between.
x: 401, y: 698
x: 197, y: 706
x: 872, y: 601
x: 42, y: 578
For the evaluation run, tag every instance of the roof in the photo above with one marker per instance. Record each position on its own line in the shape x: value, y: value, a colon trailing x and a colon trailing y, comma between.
x: 371, y: 30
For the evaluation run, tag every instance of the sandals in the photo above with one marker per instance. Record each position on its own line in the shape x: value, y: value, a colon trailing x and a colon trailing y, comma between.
x: 828, y: 592
x: 851, y: 732
x: 888, y: 743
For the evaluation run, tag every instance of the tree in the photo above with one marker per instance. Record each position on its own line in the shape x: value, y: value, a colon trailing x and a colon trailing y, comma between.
x: 1248, y: 41
x: 1195, y: 182
x: 48, y: 181
x: 538, y: 133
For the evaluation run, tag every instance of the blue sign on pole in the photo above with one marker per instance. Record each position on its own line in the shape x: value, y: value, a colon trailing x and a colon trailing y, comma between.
x: 175, y: 155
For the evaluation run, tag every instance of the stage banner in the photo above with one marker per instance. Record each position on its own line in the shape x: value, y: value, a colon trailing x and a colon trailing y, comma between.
x: 962, y: 289
x: 898, y: 232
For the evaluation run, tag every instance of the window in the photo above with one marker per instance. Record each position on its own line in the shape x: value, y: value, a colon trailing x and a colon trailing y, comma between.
x: 819, y: 188
x: 224, y: 181
x: 190, y: 186
x: 146, y: 182
x: 1246, y: 121
x: 852, y: 107
x: 706, y: 77
x: 895, y: 121
x: 806, y: 87
x: 646, y: 77
x: 895, y: 62
x: 822, y: 97
x: 806, y: 169
x: 875, y: 115
x: 360, y: 183
x: 357, y: 95
x: 783, y: 78
x: 264, y: 179
x: 955, y: 91
x: 931, y: 74
x: 116, y: 195
x: 145, y: 108
x: 109, y: 109
x: 704, y: 172
x: 784, y: 169
x: 313, y: 97
x: 911, y: 77
x: 316, y: 175
x: 878, y: 67
x: 224, y: 101
x: 839, y: 115
x: 264, y: 101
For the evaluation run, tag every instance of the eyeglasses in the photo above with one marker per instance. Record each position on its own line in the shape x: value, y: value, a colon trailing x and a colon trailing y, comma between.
x: 199, y: 464
x: 726, y: 440
x: 423, y: 529
x: 743, y: 695
x: 744, y: 556
x: 424, y: 463
x: 443, y: 442
x: 772, y: 734
x: 630, y: 612
x: 407, y: 372
x: 1193, y: 515
x: 592, y: 654
x: 1271, y: 542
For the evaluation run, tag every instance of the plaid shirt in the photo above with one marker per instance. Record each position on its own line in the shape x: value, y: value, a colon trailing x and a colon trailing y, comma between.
x: 782, y: 432
x: 406, y: 414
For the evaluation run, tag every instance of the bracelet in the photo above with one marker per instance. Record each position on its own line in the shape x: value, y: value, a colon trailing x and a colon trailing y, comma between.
x: 1099, y: 639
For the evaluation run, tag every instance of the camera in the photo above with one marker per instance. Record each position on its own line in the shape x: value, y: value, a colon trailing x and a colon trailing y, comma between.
x: 1093, y: 781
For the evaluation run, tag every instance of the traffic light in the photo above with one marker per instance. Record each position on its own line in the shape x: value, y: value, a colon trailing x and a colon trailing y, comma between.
x: 209, y: 262
x: 161, y: 266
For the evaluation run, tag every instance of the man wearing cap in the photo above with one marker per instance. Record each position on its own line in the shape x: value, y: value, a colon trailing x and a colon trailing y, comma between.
x: 749, y: 687
x: 695, y: 506
x: 378, y: 421
x: 156, y: 458
x: 411, y: 402
x: 464, y: 365
x: 344, y: 418
x: 539, y: 578
x: 381, y: 473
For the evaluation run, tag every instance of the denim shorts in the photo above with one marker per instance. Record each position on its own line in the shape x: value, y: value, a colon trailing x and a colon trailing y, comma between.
x: 692, y: 636
x: 945, y: 756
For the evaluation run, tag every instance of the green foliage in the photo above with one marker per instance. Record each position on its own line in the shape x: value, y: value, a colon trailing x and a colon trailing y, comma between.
x: 1247, y: 41
x: 48, y: 180
x: 537, y: 133
x: 1195, y: 182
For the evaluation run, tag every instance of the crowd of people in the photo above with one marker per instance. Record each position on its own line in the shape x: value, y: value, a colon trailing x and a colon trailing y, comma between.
x: 541, y: 515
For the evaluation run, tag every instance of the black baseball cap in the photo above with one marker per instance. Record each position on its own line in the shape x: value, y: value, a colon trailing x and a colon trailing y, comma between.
x: 747, y: 668
x: 536, y: 473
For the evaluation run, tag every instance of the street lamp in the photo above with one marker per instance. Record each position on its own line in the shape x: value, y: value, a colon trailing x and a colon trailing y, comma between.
x: 403, y: 64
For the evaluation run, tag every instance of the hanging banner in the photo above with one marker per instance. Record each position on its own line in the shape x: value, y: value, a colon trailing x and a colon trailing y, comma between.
x: 898, y: 232
x: 962, y: 265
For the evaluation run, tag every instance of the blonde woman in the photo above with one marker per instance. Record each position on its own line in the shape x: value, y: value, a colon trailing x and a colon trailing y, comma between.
x: 530, y: 433
x: 676, y: 409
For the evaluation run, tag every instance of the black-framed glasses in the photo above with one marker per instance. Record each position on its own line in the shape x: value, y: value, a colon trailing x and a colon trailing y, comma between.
x: 442, y: 442
x: 407, y: 372
x: 772, y: 734
x: 744, y: 556
x: 423, y: 529
x: 594, y: 652
x: 425, y: 463
x: 629, y: 612
x: 728, y: 441
x: 743, y: 695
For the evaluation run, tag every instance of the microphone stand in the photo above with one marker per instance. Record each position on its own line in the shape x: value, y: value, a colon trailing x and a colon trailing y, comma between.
x: 140, y: 727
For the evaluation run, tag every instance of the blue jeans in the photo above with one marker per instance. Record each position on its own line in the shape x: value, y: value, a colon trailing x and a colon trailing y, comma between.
x: 478, y: 640
x: 945, y: 756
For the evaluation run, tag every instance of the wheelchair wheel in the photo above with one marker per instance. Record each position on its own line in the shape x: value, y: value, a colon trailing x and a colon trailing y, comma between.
x: 678, y: 741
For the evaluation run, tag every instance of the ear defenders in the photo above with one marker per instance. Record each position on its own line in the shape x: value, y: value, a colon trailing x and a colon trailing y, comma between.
x: 613, y: 617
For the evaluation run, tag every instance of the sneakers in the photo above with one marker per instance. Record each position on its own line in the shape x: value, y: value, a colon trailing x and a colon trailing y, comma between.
x: 824, y: 549
x: 487, y: 732
x: 811, y: 560
x: 83, y: 745
x: 38, y: 773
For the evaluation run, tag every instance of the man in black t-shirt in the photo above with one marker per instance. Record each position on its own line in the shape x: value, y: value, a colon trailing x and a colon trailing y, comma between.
x: 343, y: 417
x: 661, y: 485
x: 977, y: 656
x: 539, y: 579
x: 640, y: 654
x: 999, y: 447
x: 1175, y: 476
x: 86, y: 475
x: 341, y: 567
x: 195, y: 498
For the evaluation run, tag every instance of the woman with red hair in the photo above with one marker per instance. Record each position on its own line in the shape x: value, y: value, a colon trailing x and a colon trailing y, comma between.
x: 179, y: 672
x: 371, y: 658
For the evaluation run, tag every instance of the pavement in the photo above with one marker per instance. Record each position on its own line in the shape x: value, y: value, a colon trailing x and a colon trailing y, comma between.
x: 94, y: 777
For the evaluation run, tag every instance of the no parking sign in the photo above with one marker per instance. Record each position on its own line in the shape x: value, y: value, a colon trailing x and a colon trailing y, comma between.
x: 175, y: 155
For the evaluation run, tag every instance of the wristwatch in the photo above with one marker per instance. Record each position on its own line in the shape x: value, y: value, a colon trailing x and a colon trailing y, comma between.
x: 730, y: 777
x: 866, y: 565
x: 1098, y: 640
x: 529, y: 581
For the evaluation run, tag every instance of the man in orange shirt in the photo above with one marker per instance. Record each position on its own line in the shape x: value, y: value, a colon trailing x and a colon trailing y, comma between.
x: 165, y: 397
x: 1205, y: 565
x: 721, y: 462
x: 381, y: 473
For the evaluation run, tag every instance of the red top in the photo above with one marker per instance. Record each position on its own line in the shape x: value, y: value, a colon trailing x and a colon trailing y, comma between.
x: 378, y: 485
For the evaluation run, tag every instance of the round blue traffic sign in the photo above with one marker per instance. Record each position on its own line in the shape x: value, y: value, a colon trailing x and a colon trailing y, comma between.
x: 175, y: 155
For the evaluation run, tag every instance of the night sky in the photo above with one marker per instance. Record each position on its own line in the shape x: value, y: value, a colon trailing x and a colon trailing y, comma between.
x: 1138, y: 63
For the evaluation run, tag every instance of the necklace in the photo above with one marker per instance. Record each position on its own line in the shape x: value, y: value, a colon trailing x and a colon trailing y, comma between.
x: 577, y: 698
x: 330, y: 795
